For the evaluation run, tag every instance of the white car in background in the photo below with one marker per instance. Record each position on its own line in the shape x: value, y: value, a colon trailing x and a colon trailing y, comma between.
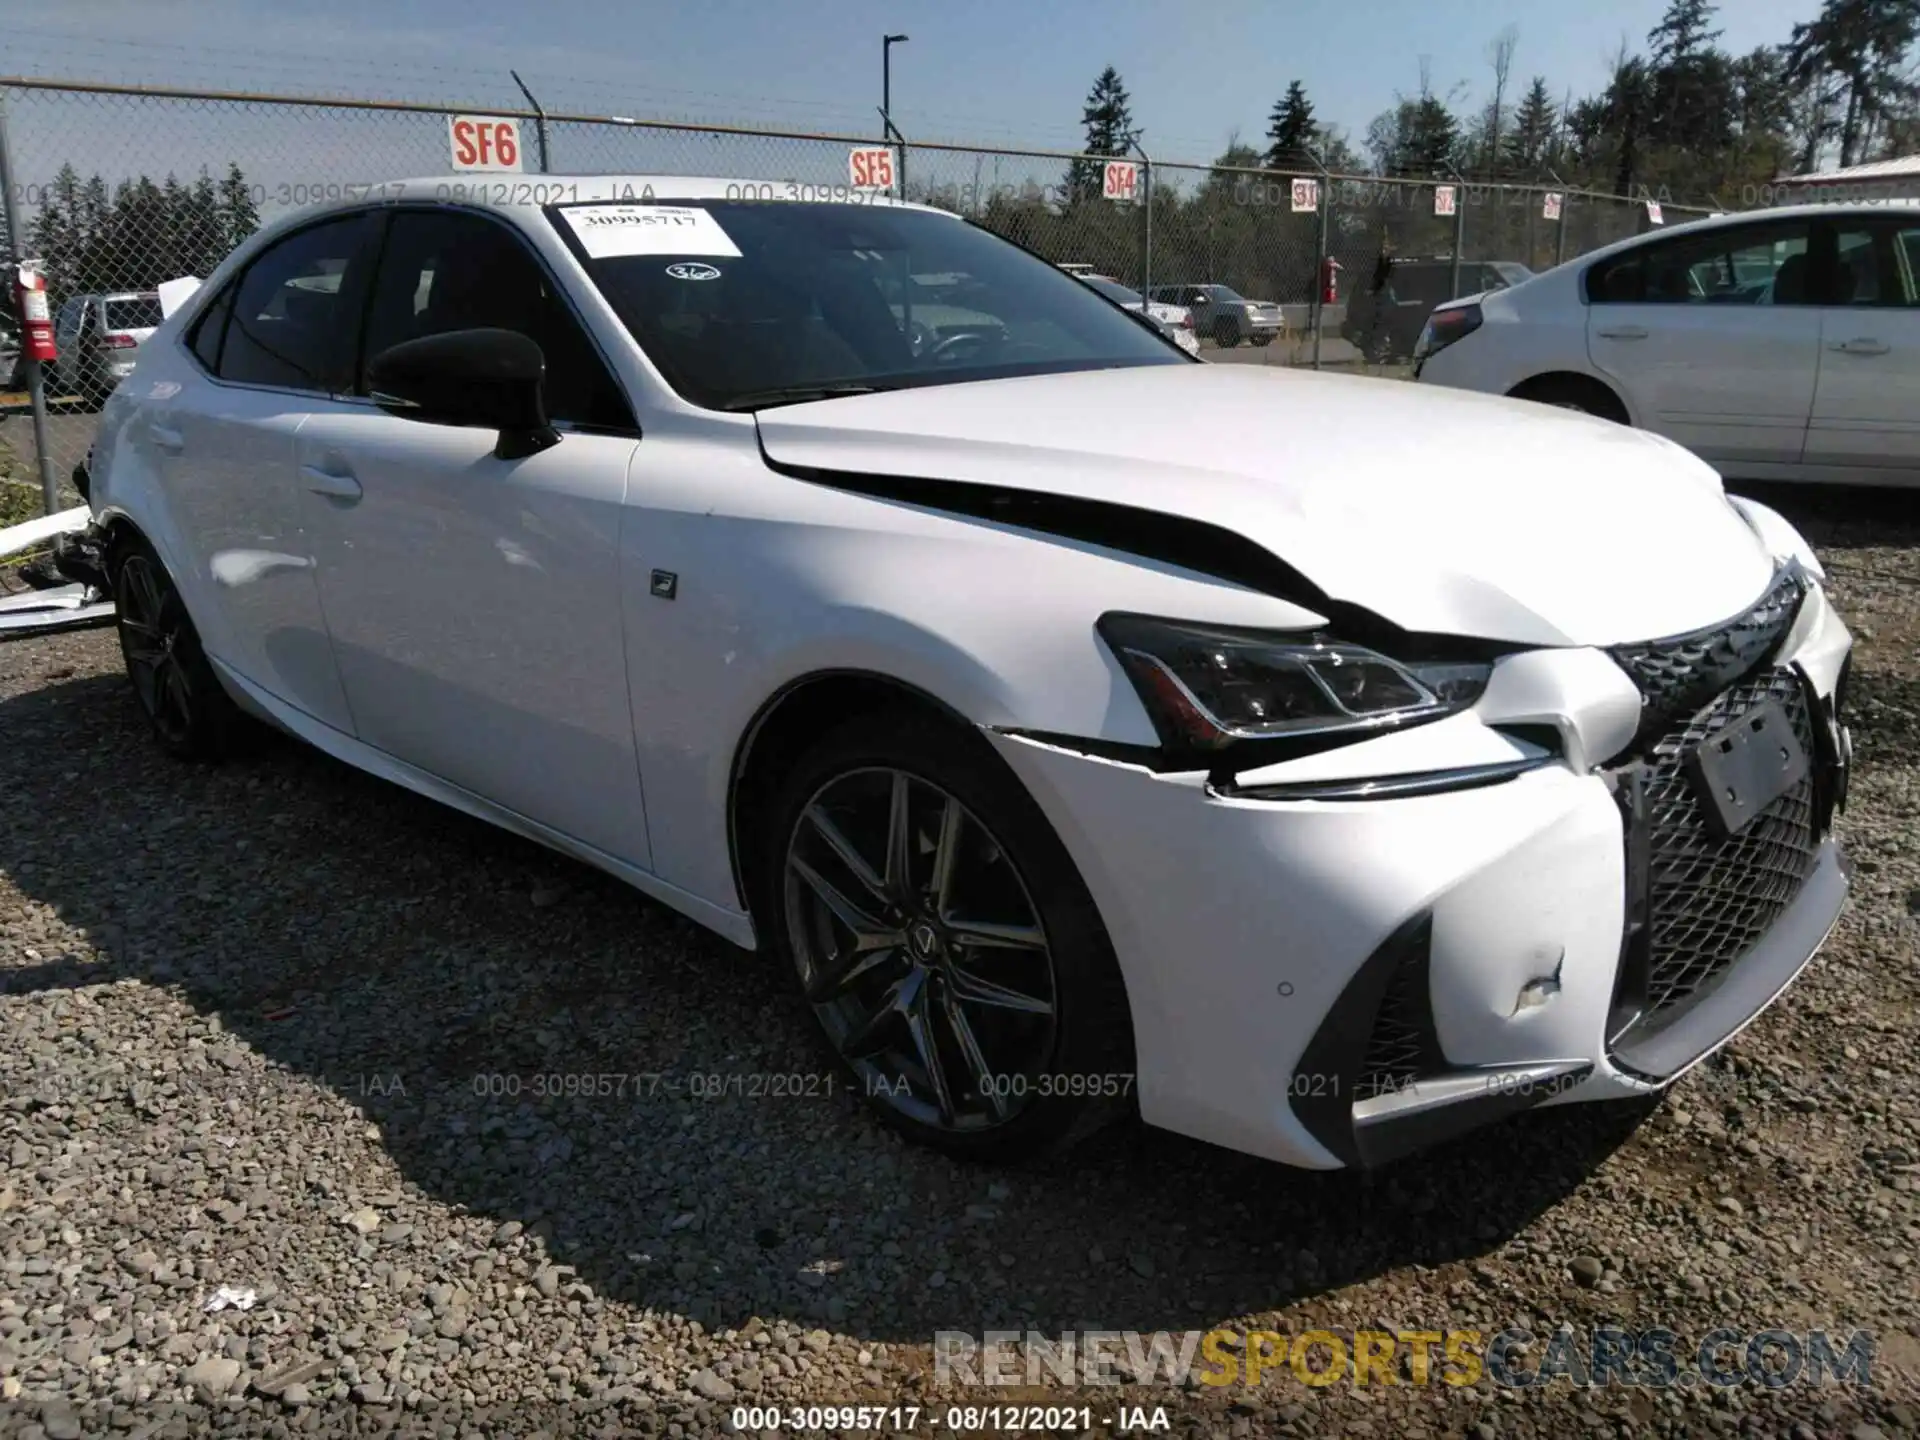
x: 1776, y: 345
x: 98, y: 336
x: 1176, y: 320
x: 1076, y: 725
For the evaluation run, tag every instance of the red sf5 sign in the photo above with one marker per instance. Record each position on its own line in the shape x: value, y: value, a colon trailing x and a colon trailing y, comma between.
x: 482, y: 142
x: 870, y: 168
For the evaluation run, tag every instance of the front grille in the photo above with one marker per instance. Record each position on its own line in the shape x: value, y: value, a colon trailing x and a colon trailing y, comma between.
x: 1678, y: 675
x: 1709, y: 901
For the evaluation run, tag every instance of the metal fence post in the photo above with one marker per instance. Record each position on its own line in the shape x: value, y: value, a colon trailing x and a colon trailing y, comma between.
x: 1560, y: 236
x: 1322, y: 247
x: 36, y: 379
x: 890, y: 133
x: 1459, y: 227
x: 539, y: 121
x: 1146, y: 259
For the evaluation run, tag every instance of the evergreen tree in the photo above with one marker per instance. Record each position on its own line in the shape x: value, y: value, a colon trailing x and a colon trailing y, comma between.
x: 1862, y: 44
x: 57, y: 237
x: 1108, y: 119
x: 238, y: 215
x: 1692, y: 83
x: 1291, y: 131
x: 1530, y: 145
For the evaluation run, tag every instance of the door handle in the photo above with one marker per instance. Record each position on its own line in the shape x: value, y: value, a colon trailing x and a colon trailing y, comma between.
x: 166, y: 438
x: 1860, y: 345
x: 326, y: 482
x: 1623, y: 332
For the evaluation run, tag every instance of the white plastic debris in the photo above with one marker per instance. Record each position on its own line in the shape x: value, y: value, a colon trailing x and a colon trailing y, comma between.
x: 230, y: 1297
x: 66, y: 607
x: 175, y: 293
x: 31, y: 532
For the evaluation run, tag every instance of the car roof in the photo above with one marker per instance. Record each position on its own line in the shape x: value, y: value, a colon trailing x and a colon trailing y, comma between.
x: 1833, y: 208
x: 519, y: 192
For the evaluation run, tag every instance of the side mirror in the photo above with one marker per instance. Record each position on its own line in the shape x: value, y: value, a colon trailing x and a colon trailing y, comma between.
x: 486, y: 379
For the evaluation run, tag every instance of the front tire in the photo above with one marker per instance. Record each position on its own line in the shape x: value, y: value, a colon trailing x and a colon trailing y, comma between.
x: 173, y: 682
x: 944, y: 942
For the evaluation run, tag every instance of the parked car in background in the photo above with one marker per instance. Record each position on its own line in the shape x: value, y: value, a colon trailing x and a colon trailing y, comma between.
x: 13, y: 375
x: 1223, y: 315
x: 1782, y: 344
x: 1175, y: 321
x: 97, y: 337
x: 1384, y: 324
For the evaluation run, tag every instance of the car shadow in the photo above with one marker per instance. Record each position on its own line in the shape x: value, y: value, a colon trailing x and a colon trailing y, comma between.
x: 355, y: 937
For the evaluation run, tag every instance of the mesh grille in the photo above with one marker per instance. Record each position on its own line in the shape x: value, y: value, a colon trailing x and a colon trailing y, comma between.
x: 1711, y: 900
x: 1397, y: 1050
x: 1678, y: 675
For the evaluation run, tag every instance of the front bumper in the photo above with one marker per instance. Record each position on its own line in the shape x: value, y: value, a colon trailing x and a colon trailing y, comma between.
x: 1472, y: 946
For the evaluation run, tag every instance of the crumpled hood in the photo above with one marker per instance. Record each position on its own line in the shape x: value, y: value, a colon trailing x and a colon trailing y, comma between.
x: 1442, y: 510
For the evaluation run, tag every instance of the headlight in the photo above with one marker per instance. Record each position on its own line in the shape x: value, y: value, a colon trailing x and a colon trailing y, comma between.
x: 1207, y: 687
x: 1443, y: 327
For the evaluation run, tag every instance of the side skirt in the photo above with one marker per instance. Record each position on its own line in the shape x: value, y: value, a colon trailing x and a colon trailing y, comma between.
x: 731, y: 925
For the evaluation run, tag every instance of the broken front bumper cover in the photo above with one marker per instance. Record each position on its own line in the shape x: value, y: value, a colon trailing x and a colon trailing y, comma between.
x: 78, y: 558
x: 1367, y: 1129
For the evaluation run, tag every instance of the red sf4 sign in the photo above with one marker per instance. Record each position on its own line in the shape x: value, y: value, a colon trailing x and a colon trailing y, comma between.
x: 483, y: 142
x: 870, y: 168
x: 1119, y: 180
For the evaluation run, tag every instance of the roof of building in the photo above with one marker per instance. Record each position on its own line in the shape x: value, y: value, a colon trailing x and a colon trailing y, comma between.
x: 1906, y: 168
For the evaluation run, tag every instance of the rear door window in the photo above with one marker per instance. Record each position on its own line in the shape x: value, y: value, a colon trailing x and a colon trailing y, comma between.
x: 139, y: 313
x: 294, y: 317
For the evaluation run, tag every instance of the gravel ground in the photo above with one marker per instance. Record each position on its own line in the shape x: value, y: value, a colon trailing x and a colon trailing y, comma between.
x: 259, y: 1026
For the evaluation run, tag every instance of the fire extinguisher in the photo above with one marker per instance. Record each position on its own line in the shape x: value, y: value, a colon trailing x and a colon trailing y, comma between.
x: 36, y: 320
x: 1329, y: 281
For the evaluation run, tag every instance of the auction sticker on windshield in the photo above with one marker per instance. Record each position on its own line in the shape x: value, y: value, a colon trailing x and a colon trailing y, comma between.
x: 648, y: 230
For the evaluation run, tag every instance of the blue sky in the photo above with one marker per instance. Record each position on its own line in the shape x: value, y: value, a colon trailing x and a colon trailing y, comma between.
x: 994, y: 71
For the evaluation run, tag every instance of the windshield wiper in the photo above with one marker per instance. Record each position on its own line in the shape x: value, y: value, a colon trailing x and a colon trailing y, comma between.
x: 796, y: 395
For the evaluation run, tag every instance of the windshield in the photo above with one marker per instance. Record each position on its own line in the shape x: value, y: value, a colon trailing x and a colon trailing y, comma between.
x: 743, y: 304
x: 1114, y: 291
x: 141, y: 313
x: 1224, y: 292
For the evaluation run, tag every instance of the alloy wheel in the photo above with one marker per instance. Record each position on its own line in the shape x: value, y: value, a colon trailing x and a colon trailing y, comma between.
x: 152, y: 637
x: 920, y: 949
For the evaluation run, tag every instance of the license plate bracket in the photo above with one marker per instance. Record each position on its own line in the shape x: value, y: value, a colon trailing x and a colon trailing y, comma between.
x: 1745, y: 766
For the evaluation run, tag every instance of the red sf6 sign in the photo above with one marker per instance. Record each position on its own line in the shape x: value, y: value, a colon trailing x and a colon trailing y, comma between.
x: 483, y: 142
x: 870, y: 168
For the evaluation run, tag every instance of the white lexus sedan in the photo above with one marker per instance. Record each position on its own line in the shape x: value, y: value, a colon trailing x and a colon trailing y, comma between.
x: 1309, y: 773
x: 1777, y: 345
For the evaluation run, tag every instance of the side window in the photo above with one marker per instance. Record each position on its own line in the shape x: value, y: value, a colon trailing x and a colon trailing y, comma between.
x: 211, y: 329
x: 442, y: 270
x: 1738, y: 265
x: 1874, y: 264
x: 290, y: 324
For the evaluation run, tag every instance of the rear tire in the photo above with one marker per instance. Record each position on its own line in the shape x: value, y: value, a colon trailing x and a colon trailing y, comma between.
x: 944, y: 941
x: 1574, y: 392
x: 185, y: 706
x: 1226, y: 334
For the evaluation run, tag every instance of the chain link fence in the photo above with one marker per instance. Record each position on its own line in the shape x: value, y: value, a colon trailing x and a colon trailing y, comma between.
x: 117, y: 189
